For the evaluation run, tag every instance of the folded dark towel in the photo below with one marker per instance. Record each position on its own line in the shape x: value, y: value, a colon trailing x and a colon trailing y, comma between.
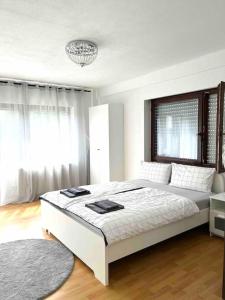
x: 108, y: 205
x: 78, y: 191
x: 75, y: 192
x: 104, y: 206
x: 96, y: 208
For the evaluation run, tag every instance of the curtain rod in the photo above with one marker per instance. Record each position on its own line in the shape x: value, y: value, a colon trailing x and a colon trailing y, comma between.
x: 42, y: 84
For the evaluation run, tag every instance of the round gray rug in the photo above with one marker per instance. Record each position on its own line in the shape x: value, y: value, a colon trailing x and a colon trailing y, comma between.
x: 33, y: 269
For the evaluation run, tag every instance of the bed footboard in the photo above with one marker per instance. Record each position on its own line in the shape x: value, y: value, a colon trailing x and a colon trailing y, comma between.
x: 84, y: 243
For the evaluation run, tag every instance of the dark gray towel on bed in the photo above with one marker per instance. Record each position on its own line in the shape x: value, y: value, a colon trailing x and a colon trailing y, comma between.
x: 104, y: 206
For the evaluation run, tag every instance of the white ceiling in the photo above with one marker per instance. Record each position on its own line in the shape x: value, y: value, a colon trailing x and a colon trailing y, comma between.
x: 135, y: 37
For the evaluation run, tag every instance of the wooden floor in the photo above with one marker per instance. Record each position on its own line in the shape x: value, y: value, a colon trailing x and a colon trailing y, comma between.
x: 187, y: 267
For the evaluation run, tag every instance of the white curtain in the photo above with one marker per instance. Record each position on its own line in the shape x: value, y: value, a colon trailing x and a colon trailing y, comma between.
x: 43, y: 140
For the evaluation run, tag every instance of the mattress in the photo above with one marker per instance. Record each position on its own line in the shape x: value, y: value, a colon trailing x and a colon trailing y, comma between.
x: 201, y: 199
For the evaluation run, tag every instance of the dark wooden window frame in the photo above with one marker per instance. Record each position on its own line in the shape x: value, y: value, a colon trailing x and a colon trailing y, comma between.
x: 202, y: 96
x: 220, y: 133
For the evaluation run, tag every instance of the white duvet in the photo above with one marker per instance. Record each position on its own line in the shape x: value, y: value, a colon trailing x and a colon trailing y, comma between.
x: 97, y: 190
x: 145, y: 209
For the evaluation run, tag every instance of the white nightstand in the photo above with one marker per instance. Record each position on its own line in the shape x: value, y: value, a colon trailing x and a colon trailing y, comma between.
x: 217, y: 214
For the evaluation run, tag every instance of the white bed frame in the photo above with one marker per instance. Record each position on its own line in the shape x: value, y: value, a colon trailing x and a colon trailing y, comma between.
x: 90, y: 247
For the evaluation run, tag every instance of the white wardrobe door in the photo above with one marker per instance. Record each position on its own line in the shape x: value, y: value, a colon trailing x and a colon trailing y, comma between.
x: 99, y: 143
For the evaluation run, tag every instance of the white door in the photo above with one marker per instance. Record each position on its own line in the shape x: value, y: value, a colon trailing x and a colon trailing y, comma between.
x: 99, y: 143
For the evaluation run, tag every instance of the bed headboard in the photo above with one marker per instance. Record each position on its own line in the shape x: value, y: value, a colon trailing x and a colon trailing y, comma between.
x: 219, y: 183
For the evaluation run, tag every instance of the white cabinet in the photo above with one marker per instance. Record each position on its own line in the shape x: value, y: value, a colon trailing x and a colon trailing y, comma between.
x: 217, y: 214
x: 106, y: 129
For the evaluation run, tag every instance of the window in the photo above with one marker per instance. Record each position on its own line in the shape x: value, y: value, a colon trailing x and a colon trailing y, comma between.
x: 212, y: 119
x: 57, y: 125
x: 184, y: 128
x: 44, y: 136
x: 177, y: 129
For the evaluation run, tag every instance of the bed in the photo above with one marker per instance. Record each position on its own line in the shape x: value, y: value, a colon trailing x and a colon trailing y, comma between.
x: 89, y: 244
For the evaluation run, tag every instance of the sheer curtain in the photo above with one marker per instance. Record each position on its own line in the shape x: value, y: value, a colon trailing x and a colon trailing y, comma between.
x: 43, y: 140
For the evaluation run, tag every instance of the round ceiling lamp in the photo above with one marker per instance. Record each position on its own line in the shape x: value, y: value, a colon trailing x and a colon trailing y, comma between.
x: 82, y: 52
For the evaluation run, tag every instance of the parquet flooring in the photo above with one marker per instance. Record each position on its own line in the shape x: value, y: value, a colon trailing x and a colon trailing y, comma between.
x: 186, y: 267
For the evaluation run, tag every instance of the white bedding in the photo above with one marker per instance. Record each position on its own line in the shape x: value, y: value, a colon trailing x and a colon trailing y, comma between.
x: 145, y: 209
x: 97, y: 190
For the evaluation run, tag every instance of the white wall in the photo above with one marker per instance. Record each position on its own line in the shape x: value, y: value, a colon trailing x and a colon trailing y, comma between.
x: 204, y: 72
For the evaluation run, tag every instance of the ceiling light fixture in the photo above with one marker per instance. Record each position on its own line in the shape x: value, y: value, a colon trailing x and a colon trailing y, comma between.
x: 82, y: 52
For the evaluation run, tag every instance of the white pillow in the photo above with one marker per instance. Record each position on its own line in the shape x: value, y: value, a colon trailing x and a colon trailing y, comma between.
x: 155, y: 172
x: 191, y: 177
